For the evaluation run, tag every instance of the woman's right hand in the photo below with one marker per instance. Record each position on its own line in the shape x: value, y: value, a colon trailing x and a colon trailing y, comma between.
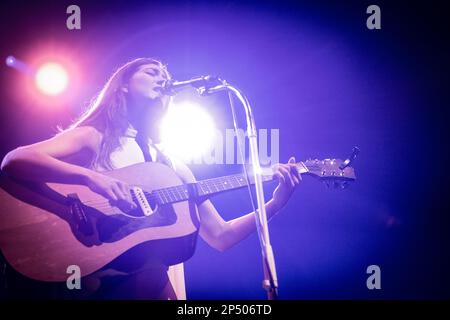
x: 116, y: 191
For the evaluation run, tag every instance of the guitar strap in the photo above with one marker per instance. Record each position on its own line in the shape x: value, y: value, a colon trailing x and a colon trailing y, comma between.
x: 145, y: 148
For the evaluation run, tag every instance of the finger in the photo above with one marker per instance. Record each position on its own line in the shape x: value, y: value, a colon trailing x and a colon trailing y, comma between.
x: 287, y: 176
x: 291, y: 160
x: 119, y: 193
x: 122, y: 202
x: 294, y: 170
x: 123, y: 187
x: 279, y: 176
x: 111, y: 196
x: 275, y: 167
x: 126, y: 191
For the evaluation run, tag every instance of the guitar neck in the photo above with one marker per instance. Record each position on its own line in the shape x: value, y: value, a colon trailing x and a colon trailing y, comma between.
x: 213, y: 186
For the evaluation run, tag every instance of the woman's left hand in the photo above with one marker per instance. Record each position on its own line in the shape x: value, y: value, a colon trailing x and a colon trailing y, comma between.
x: 288, y: 178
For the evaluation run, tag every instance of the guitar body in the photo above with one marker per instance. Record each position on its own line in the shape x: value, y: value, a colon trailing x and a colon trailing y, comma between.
x: 44, y: 228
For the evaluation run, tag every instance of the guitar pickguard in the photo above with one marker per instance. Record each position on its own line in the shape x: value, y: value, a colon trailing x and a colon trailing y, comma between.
x: 111, y: 228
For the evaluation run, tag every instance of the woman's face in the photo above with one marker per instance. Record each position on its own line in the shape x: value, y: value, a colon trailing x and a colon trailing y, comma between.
x: 147, y: 83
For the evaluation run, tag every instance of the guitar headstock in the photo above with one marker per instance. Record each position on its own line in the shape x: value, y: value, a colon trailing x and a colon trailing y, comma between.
x: 329, y: 171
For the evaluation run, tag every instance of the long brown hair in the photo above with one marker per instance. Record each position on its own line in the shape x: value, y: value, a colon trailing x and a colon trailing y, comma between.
x: 107, y: 111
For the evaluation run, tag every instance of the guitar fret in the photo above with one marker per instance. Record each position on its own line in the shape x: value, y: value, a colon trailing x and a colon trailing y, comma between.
x: 172, y: 194
x: 184, y: 195
x: 202, y: 188
x: 169, y: 197
x: 231, y: 182
x: 178, y: 196
x: 222, y: 184
x: 226, y: 184
x: 210, y: 187
x: 159, y: 196
x: 218, y: 185
x: 238, y: 183
x: 213, y: 185
x: 164, y: 193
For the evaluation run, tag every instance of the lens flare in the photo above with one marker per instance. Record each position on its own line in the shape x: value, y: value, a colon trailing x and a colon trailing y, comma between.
x: 187, y: 131
x: 51, y: 79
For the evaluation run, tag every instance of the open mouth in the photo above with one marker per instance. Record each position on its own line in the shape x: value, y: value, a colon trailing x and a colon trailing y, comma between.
x: 159, y: 90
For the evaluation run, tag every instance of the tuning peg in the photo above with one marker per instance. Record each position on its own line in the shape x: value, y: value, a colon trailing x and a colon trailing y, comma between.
x: 350, y: 159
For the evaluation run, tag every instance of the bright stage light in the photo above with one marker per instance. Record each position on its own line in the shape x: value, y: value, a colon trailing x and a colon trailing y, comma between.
x: 51, y: 79
x: 187, y: 131
x: 10, y: 61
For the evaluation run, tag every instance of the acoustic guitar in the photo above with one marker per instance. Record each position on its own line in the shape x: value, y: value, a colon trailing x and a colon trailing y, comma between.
x: 47, y: 227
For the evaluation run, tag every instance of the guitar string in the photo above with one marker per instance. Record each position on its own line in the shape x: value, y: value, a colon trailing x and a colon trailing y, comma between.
x: 105, y: 204
x: 174, y: 190
x: 172, y: 194
x: 159, y: 194
x: 178, y: 195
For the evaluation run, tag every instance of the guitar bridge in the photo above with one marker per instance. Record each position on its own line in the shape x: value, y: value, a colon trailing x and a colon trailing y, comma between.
x: 139, y: 196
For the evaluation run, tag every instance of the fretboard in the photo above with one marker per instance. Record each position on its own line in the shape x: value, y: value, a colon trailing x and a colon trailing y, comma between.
x: 217, y: 185
x: 203, y: 188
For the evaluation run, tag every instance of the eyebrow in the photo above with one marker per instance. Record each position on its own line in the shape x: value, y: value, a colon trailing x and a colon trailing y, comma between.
x: 158, y: 70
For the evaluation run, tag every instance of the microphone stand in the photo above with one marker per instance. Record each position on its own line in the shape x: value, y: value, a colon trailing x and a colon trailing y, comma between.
x: 270, y: 281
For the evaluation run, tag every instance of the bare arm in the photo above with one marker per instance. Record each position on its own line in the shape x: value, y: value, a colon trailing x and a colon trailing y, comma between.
x: 39, y: 161
x: 221, y: 234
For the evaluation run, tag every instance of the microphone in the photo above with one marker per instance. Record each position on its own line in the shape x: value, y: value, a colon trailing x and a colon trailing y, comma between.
x: 171, y: 87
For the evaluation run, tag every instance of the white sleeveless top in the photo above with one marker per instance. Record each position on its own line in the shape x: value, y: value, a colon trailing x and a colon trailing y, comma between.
x: 130, y: 153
